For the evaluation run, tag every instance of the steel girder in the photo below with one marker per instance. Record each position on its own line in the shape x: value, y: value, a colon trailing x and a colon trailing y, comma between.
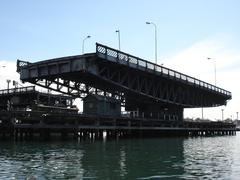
x: 112, y: 72
x: 147, y: 87
x: 173, y: 87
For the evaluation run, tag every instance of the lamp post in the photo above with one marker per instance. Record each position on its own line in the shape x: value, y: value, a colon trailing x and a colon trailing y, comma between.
x: 222, y: 113
x: 237, y: 115
x: 155, y: 27
x: 215, y: 73
x: 119, y: 42
x: 15, y: 84
x: 84, y: 42
x: 8, y: 82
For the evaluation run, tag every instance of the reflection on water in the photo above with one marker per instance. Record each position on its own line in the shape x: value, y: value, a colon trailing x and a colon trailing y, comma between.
x: 165, y: 158
x: 212, y: 157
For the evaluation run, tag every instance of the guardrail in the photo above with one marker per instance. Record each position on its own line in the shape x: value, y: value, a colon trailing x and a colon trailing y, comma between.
x: 18, y: 90
x: 21, y: 64
x: 129, y: 59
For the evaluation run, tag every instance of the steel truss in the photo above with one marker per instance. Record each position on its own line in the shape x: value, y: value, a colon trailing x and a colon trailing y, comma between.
x: 158, y: 89
x: 141, y: 85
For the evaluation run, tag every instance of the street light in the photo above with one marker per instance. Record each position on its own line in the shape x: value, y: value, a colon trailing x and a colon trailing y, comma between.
x: 8, y: 82
x: 222, y: 113
x: 15, y: 84
x: 84, y: 42
x: 119, y: 43
x: 215, y: 76
x: 155, y: 27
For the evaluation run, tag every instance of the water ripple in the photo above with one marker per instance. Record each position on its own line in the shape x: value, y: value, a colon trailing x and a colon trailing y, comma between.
x: 163, y: 158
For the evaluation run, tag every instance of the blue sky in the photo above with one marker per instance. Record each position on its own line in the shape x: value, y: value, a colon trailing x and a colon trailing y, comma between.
x: 188, y: 32
x: 44, y: 29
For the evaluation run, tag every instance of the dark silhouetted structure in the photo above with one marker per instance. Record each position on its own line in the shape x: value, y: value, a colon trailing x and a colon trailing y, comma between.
x: 142, y: 86
x: 153, y: 97
x: 101, y: 105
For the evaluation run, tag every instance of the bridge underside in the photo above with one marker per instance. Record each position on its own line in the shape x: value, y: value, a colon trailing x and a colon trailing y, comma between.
x: 144, y: 87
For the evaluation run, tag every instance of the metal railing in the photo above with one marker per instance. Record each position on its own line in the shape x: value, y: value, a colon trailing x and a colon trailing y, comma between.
x: 17, y: 90
x: 21, y: 64
x: 128, y: 59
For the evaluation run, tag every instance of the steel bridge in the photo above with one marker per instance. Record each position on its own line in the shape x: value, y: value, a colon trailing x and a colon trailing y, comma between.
x: 150, y: 89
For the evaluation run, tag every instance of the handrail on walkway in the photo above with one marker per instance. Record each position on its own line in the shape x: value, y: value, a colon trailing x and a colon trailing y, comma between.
x: 121, y: 56
x: 18, y: 90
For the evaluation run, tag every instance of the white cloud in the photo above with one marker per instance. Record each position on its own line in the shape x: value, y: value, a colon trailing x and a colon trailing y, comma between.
x: 7, y: 71
x: 193, y: 61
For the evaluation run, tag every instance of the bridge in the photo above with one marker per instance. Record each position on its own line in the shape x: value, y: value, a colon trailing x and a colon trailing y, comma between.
x: 153, y: 96
x: 149, y: 89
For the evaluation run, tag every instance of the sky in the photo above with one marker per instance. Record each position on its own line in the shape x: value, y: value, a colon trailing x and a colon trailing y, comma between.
x: 188, y: 33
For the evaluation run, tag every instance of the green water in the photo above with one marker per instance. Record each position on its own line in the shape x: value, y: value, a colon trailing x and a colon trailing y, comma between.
x: 158, y: 158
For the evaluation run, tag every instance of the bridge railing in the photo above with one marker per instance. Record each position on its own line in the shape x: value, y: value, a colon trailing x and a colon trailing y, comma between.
x: 134, y: 61
x: 21, y: 64
x: 18, y: 90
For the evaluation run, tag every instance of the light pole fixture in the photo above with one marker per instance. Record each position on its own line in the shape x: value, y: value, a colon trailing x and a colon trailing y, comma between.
x: 8, y: 82
x: 155, y: 27
x: 87, y: 37
x: 119, y: 42
x: 215, y: 71
x: 222, y: 113
x: 15, y: 84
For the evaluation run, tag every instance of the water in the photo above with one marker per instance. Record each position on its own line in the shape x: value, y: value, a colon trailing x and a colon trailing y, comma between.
x: 158, y: 158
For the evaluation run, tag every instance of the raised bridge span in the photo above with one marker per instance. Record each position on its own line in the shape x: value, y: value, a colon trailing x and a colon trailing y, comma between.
x: 142, y: 86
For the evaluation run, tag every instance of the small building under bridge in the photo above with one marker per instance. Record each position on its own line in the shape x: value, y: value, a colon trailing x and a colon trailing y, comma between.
x: 101, y: 105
